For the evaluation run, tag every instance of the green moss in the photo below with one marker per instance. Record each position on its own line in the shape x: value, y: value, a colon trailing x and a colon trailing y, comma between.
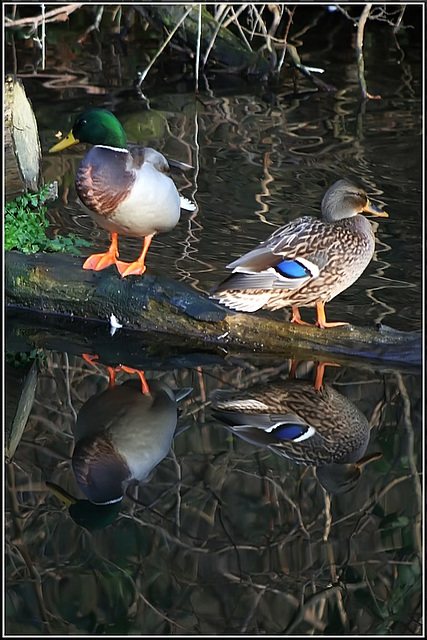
x: 25, y: 227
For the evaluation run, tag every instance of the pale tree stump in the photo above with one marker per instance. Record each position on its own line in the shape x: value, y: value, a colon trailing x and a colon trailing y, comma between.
x: 22, y: 150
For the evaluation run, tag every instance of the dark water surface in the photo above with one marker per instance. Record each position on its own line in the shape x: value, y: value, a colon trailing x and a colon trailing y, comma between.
x: 225, y: 536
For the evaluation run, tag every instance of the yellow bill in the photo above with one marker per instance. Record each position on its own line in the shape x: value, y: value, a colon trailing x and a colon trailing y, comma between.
x: 66, y: 142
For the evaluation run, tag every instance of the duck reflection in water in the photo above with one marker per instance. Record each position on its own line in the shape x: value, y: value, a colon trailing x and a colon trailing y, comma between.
x: 120, y: 434
x: 309, y: 424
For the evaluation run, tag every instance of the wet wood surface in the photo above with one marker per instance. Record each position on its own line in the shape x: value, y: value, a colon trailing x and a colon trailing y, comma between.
x: 57, y: 284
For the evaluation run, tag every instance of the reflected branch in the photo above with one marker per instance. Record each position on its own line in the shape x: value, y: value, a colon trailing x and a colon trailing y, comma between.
x: 411, y: 458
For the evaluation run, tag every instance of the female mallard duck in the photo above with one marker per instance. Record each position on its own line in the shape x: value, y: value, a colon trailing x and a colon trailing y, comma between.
x: 314, y: 427
x: 125, y: 188
x: 308, y: 261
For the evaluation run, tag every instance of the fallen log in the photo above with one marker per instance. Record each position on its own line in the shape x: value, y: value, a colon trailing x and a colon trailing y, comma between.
x: 227, y: 50
x: 56, y: 283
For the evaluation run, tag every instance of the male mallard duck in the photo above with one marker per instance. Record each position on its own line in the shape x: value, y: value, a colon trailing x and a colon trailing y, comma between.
x: 85, y: 513
x: 307, y: 262
x: 125, y: 188
x: 314, y: 427
x: 120, y: 435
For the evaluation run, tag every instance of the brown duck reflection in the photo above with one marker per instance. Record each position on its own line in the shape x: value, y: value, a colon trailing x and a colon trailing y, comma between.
x: 120, y: 434
x: 309, y: 424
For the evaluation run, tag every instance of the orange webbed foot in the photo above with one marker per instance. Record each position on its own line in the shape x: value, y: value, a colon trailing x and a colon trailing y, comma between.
x: 138, y: 267
x: 328, y: 325
x: 130, y: 268
x: 296, y: 317
x: 99, y: 261
x: 321, y: 318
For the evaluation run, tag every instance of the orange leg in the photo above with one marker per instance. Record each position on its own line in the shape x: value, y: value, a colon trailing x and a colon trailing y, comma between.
x: 293, y: 368
x: 321, y: 317
x: 144, y: 385
x: 138, y: 267
x: 320, y: 370
x: 111, y: 376
x: 90, y: 358
x: 111, y: 371
x: 99, y: 261
x: 296, y: 317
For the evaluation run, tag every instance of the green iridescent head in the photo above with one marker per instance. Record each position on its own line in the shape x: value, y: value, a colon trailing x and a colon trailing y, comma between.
x: 85, y: 513
x: 94, y: 126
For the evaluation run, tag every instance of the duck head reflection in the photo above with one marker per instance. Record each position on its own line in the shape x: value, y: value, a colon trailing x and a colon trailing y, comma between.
x: 120, y: 435
x: 308, y: 424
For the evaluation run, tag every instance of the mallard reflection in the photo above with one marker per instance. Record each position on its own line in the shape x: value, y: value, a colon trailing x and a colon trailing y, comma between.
x: 312, y: 426
x: 85, y: 513
x: 120, y: 434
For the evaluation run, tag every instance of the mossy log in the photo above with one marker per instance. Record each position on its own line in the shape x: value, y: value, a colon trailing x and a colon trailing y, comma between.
x: 22, y: 152
x: 227, y: 50
x: 56, y: 283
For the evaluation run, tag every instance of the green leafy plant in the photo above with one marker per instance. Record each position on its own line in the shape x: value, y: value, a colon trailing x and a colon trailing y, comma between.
x: 25, y: 227
x: 22, y: 359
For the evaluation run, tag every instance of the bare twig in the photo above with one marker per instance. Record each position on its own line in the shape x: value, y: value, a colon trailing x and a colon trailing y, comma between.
x: 221, y: 11
x: 417, y: 491
x: 346, y: 14
x: 43, y: 37
x: 285, y: 37
x: 277, y: 11
x: 329, y: 592
x: 217, y: 28
x: 94, y: 26
x: 296, y: 61
x: 199, y: 39
x: 261, y: 22
x: 143, y: 74
x: 359, y: 52
x: 235, y: 16
x: 399, y: 19
x: 328, y: 515
x: 56, y: 15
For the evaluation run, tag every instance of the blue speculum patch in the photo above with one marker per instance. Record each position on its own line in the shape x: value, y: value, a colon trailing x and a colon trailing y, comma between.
x: 289, y: 431
x: 292, y: 269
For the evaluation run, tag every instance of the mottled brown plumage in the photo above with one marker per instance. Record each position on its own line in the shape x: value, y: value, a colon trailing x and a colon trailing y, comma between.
x: 340, y: 431
x: 307, y: 262
x: 314, y: 427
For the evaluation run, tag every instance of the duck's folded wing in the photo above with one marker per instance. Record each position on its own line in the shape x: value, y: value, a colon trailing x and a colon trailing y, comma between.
x: 288, y: 259
x: 261, y: 269
x: 265, y: 428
